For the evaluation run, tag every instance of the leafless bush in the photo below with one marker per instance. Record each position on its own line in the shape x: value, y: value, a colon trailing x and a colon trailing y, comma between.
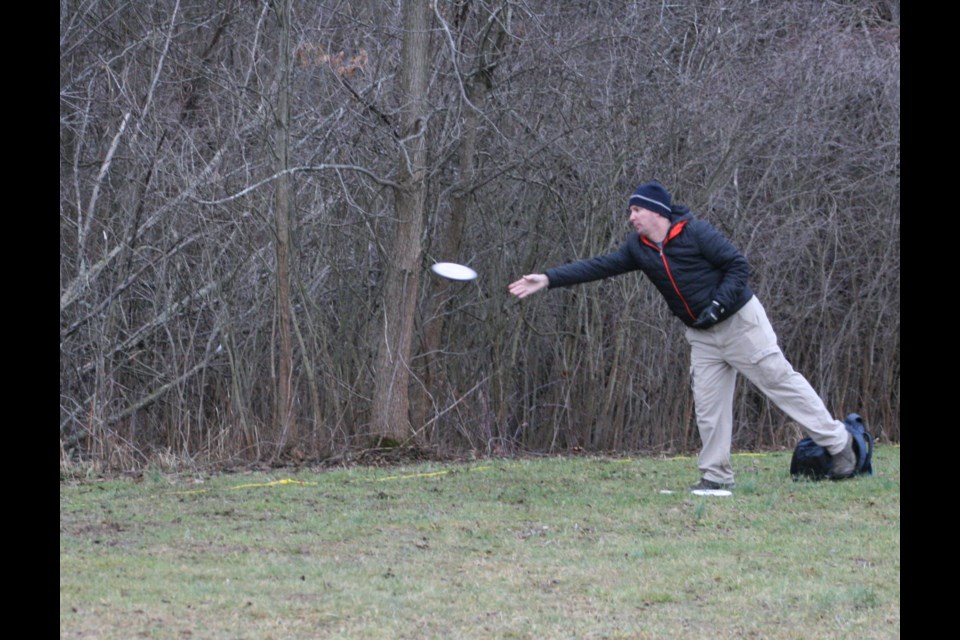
x: 185, y: 190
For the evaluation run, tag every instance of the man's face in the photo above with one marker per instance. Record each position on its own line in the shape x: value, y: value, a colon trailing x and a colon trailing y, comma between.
x: 646, y: 222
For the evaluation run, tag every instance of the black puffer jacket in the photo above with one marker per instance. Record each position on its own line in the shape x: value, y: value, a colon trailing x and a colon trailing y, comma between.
x: 697, y: 265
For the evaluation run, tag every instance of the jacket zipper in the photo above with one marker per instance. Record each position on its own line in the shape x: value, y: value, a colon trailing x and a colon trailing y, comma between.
x: 670, y: 236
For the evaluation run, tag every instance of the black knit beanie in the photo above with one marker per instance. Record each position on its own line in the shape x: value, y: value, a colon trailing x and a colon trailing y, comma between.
x: 653, y: 196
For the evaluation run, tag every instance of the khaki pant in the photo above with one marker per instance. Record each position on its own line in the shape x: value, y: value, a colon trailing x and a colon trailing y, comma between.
x: 746, y: 343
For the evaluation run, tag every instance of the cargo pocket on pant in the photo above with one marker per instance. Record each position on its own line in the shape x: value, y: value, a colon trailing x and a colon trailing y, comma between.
x: 756, y: 333
x: 770, y: 365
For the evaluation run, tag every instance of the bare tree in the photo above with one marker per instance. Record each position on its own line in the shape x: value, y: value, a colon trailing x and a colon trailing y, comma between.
x: 286, y: 421
x: 391, y: 417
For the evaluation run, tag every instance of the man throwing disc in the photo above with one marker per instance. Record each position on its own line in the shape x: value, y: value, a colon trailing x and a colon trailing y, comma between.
x: 703, y: 279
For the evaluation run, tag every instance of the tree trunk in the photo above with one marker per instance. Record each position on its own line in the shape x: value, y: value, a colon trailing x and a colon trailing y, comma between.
x: 284, y: 419
x: 391, y: 418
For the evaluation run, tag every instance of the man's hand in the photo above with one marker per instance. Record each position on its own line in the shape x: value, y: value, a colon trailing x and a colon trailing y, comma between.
x: 709, y: 316
x: 529, y: 284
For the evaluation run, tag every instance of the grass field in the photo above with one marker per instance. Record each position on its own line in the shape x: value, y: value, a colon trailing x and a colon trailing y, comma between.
x: 535, y: 548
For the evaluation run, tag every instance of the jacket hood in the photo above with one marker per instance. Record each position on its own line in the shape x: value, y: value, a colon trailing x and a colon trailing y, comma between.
x: 679, y: 212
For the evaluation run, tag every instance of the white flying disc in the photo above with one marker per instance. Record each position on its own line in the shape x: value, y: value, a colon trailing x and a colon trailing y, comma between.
x: 453, y: 271
x: 712, y: 492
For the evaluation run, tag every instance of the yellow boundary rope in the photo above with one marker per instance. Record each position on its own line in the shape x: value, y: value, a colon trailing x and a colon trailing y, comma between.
x: 286, y: 481
x: 253, y: 485
x: 430, y: 474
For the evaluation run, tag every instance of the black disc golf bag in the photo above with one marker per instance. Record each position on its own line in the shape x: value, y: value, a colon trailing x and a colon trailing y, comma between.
x: 810, y: 460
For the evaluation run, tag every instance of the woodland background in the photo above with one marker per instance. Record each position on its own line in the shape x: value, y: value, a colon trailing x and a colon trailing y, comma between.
x: 251, y: 193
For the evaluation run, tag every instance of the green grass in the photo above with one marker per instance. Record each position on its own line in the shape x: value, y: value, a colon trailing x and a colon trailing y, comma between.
x: 548, y: 548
